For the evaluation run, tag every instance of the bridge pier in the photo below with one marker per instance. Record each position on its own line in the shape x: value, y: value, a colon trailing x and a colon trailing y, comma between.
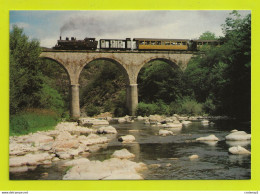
x: 132, y: 98
x: 74, y: 101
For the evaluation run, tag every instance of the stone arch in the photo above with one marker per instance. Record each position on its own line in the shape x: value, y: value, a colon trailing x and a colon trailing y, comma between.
x: 170, y: 62
x: 115, y: 61
x: 61, y: 65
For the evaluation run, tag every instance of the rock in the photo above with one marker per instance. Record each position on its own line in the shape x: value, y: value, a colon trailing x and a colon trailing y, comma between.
x: 38, y: 138
x: 238, y: 150
x: 29, y: 159
x: 64, y: 155
x: 238, y: 136
x: 153, y: 119
x: 55, y: 159
x: 234, y: 130
x: 168, y: 165
x: 65, y: 126
x: 165, y: 132
x: 208, y: 138
x: 75, y: 162
x: 113, y: 168
x: 20, y: 149
x: 193, y: 157
x: 107, y: 130
x: 205, y: 122
x: 182, y: 118
x: 121, y: 120
x: 124, y: 176
x: 126, y: 139
x: 62, y: 145
x: 175, y: 124
x: 45, y: 147
x: 186, y: 122
x: 95, y: 139
x: 91, y: 121
x: 122, y: 154
x: 147, y: 122
x: 18, y: 169
x: 140, y: 118
x: 193, y: 118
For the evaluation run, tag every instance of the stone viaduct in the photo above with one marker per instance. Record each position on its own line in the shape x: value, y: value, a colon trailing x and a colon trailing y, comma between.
x: 129, y: 62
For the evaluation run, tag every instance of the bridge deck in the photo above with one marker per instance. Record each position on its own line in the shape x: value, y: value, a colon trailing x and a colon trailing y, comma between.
x: 124, y: 51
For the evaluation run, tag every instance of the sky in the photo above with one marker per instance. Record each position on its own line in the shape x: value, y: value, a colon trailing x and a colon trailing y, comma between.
x: 47, y: 26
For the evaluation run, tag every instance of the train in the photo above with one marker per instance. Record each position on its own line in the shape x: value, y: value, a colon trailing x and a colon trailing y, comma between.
x: 140, y: 44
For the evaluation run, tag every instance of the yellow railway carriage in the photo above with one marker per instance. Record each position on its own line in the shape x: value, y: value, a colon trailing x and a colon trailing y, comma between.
x: 161, y: 44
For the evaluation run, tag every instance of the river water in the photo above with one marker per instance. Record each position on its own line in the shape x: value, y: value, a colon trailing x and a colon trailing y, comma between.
x: 171, y: 153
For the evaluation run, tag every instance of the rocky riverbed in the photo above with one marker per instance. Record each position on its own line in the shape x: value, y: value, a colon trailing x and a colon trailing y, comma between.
x: 74, y: 148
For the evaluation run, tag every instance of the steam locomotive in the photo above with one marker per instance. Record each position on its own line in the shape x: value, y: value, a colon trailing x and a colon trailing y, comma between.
x: 142, y: 44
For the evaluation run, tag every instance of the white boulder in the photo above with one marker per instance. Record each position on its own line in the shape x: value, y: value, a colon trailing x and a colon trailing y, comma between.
x: 165, y: 132
x: 238, y: 136
x: 238, y: 150
x: 122, y: 154
x: 107, y: 130
x: 208, y: 138
x: 113, y: 168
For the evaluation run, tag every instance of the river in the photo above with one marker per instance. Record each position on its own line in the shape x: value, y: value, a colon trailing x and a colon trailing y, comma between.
x: 170, y: 154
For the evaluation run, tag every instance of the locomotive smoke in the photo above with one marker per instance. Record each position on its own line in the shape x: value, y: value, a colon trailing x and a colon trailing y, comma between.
x: 103, y: 22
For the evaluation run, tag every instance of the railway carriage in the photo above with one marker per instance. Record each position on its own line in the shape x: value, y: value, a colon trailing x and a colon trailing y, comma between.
x: 161, y: 44
x: 115, y: 44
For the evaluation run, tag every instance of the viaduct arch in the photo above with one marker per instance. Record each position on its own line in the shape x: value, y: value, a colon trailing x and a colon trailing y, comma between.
x: 129, y: 62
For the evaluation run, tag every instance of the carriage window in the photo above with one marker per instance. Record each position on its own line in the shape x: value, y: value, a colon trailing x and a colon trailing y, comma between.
x: 173, y: 43
x: 183, y: 43
x: 152, y: 42
x: 163, y: 43
x: 178, y: 43
x: 141, y: 42
x: 158, y: 43
x: 167, y: 43
x: 147, y: 42
x: 199, y: 43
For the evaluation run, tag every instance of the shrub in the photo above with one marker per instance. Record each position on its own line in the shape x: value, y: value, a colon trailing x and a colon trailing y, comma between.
x: 92, y: 110
x: 144, y: 109
x: 187, y: 106
x: 18, y: 125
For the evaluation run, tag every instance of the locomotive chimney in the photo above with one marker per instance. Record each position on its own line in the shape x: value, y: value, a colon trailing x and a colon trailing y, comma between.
x: 60, y: 37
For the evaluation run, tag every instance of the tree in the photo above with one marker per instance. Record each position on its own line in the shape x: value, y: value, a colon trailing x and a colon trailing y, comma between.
x: 222, y: 76
x: 208, y: 36
x: 29, y: 87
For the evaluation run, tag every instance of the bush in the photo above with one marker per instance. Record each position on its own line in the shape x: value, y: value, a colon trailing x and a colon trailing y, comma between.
x: 92, y: 110
x: 144, y: 109
x: 209, y: 106
x: 186, y: 106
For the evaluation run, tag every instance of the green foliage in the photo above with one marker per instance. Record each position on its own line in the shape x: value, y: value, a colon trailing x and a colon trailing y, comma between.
x: 103, y: 88
x: 186, y: 106
x: 92, y: 110
x: 159, y: 80
x: 32, y: 120
x: 30, y: 86
x: 208, y: 36
x: 144, y: 109
x: 222, y: 77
